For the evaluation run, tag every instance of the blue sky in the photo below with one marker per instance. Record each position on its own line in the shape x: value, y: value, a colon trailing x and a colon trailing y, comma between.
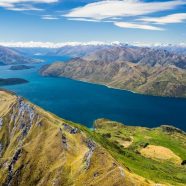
x: 91, y: 20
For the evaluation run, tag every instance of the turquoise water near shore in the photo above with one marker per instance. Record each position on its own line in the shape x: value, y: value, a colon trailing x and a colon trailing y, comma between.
x: 84, y: 102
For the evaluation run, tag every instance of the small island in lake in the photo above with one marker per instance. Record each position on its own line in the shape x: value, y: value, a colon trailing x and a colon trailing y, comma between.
x: 20, y: 67
x: 12, y: 81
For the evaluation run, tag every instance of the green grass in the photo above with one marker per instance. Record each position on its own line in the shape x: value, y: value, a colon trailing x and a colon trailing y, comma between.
x: 160, y: 172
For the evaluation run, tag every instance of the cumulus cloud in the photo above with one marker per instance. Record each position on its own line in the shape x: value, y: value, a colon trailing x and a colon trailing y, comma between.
x: 173, y: 18
x: 138, y: 26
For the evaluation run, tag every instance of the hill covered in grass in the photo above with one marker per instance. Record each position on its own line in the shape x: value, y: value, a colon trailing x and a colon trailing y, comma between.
x: 38, y: 148
x: 157, y: 154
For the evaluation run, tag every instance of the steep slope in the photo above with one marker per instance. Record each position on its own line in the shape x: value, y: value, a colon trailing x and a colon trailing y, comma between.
x: 142, y: 55
x: 123, y: 52
x: 9, y: 57
x: 158, y: 154
x: 38, y: 148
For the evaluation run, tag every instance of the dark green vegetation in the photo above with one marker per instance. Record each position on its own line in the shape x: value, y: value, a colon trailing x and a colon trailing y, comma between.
x: 12, y: 81
x: 38, y: 148
x: 20, y: 67
x: 143, y: 70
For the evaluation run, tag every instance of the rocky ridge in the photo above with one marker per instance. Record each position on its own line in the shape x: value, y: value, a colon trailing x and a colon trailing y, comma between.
x: 38, y: 148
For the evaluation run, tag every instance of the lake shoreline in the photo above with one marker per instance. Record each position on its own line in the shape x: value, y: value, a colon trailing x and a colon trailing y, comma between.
x: 115, y: 88
x: 84, y: 102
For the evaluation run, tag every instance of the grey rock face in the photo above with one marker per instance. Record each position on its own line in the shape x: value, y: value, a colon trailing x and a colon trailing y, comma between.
x: 22, y: 116
x: 1, y: 148
x: 1, y: 122
x: 70, y: 129
x: 91, y: 145
x: 11, y: 167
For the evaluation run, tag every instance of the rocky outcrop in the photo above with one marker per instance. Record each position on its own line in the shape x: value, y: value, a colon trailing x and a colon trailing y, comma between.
x: 1, y: 149
x: 71, y: 130
x: 171, y: 129
x: 91, y: 145
x: 1, y: 122
x: 22, y: 117
x: 11, y: 173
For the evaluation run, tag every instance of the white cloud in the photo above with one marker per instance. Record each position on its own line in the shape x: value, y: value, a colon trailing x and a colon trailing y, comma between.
x: 32, y: 44
x: 5, y: 2
x: 23, y: 5
x: 121, y: 8
x: 83, y: 19
x: 138, y: 26
x: 24, y: 8
x: 49, y: 17
x: 173, y: 18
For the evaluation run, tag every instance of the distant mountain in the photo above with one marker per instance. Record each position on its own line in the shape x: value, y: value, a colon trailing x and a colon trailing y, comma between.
x: 80, y: 50
x: 143, y: 70
x: 123, y: 52
x: 177, y: 49
x: 141, y: 55
x: 34, y: 51
x: 10, y: 57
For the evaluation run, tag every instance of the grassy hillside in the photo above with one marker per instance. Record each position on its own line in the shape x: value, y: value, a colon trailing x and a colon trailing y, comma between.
x: 155, y: 154
x: 38, y: 148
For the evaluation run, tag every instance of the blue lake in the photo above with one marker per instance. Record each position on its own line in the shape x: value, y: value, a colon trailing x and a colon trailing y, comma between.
x: 84, y: 102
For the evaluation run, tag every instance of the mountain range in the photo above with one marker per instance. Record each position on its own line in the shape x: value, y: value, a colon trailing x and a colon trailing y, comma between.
x: 39, y: 148
x: 11, y: 57
x: 139, y: 69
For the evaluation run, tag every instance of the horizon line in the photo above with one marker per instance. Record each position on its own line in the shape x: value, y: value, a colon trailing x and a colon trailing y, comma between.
x: 39, y: 44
